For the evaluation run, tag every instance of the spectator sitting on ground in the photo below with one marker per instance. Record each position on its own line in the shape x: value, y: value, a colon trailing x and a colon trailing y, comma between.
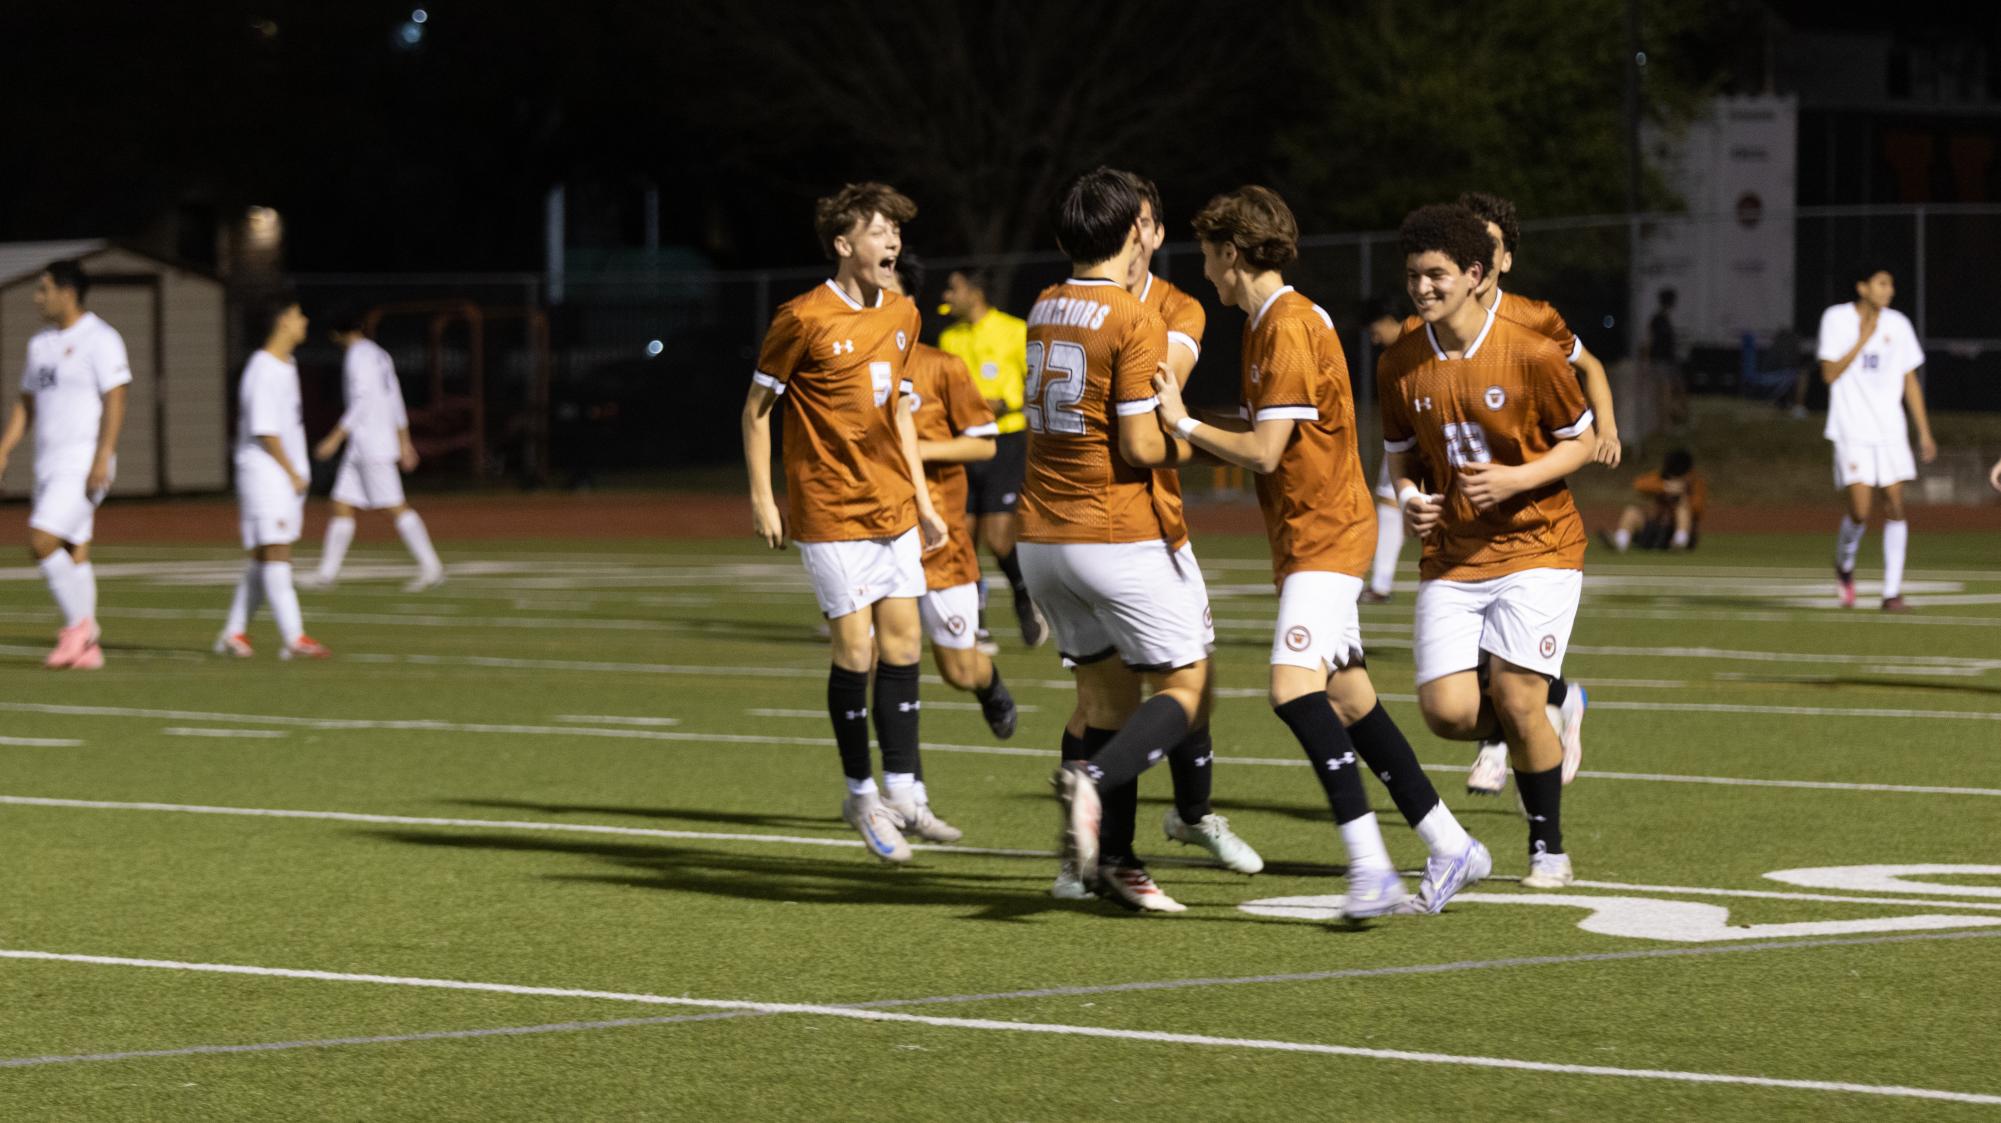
x: 1668, y: 520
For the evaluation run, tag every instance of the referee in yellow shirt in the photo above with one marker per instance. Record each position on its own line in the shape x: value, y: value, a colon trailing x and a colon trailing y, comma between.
x: 994, y: 346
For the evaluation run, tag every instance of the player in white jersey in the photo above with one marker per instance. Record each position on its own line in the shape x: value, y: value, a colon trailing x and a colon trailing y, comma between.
x: 376, y: 432
x: 271, y: 485
x: 1869, y: 358
x: 73, y: 392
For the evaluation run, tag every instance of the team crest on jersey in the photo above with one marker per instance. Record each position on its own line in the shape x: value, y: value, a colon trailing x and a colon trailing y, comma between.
x: 956, y: 625
x: 1496, y: 397
x: 902, y: 341
x: 1547, y: 647
x: 1298, y: 638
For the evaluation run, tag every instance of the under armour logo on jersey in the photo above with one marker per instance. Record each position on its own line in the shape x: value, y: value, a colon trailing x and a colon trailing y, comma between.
x: 1420, y: 405
x: 843, y: 347
x: 908, y: 707
x: 855, y: 715
x: 1334, y: 763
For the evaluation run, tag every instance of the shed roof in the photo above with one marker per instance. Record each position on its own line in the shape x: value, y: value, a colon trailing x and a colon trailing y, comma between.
x: 28, y: 259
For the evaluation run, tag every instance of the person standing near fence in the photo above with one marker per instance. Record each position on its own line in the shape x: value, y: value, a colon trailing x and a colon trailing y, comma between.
x: 73, y: 393
x: 376, y: 432
x: 994, y: 347
x: 1664, y: 362
x: 1869, y: 358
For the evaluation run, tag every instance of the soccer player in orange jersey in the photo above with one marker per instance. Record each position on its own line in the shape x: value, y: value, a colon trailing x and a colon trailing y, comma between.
x: 955, y: 427
x: 1121, y: 600
x: 838, y: 353
x: 1297, y: 432
x: 1487, y: 410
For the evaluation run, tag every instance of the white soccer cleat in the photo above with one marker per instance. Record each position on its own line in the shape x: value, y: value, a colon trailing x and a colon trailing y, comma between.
x: 314, y: 581
x: 1568, y: 721
x: 1489, y: 773
x: 424, y: 582
x: 877, y: 825
x: 1446, y: 876
x: 1213, y: 833
x: 916, y: 819
x: 1082, y: 811
x: 235, y: 646
x: 1548, y: 871
x: 1068, y: 886
x: 1372, y: 892
x: 1134, y: 888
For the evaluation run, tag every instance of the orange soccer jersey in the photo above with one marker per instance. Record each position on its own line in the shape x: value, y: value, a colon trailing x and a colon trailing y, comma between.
x: 1319, y: 512
x: 1509, y: 400
x: 1539, y: 316
x: 840, y: 364
x: 1185, y: 320
x: 948, y: 405
x: 1093, y: 350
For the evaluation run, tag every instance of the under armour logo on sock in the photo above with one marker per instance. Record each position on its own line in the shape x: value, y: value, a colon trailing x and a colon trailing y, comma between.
x: 854, y: 715
x: 1540, y: 847
x: 1203, y: 760
x: 1334, y: 763
x: 908, y: 707
x: 1385, y: 776
x: 1094, y: 772
x: 1153, y: 756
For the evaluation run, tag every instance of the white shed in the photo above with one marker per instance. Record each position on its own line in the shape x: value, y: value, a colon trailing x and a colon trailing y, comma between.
x: 174, y: 320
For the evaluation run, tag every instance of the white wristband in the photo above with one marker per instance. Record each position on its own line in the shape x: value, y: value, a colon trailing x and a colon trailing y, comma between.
x: 1187, y: 426
x: 1408, y: 493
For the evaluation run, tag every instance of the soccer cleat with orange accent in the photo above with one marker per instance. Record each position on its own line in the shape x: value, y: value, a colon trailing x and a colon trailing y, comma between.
x: 235, y: 646
x: 305, y: 647
x: 1132, y: 887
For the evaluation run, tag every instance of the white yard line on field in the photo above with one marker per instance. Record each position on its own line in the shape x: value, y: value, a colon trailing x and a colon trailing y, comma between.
x: 41, y: 742
x: 196, y: 731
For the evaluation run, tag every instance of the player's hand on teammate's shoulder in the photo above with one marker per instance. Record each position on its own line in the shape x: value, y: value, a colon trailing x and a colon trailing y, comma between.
x: 767, y: 523
x: 1487, y: 486
x: 1168, y: 390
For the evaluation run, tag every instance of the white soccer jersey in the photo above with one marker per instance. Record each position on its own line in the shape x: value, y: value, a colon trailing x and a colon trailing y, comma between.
x: 374, y: 403
x: 69, y: 371
x: 1865, y: 406
x: 268, y: 406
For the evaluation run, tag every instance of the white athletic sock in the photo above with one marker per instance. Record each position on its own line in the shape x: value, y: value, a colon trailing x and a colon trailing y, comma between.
x: 1441, y: 832
x: 923, y: 795
x: 863, y: 786
x: 418, y: 540
x: 1364, y: 840
x: 1896, y: 538
x: 86, y: 587
x: 340, y: 535
x: 1389, y: 546
x: 902, y: 786
x: 284, y: 600
x: 1847, y: 543
x: 249, y: 594
x: 1680, y: 541
x: 1622, y: 539
x: 59, y: 570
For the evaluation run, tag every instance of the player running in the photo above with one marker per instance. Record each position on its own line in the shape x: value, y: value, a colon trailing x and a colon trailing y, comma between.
x: 954, y: 428
x: 1300, y: 440
x: 376, y: 433
x: 1869, y: 357
x: 73, y: 393
x: 1487, y: 411
x: 271, y: 486
x: 840, y: 351
x: 1123, y: 602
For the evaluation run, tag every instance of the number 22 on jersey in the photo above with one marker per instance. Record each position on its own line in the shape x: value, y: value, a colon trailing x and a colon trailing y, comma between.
x: 1054, y: 388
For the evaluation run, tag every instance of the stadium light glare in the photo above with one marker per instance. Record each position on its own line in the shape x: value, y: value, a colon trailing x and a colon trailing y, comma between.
x: 653, y: 348
x: 419, y: 15
x: 262, y: 227
x: 410, y: 34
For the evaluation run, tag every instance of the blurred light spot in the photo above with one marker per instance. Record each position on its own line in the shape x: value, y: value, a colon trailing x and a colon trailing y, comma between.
x: 1609, y: 321
x: 419, y: 16
x: 655, y: 347
x: 410, y: 34
x: 263, y: 227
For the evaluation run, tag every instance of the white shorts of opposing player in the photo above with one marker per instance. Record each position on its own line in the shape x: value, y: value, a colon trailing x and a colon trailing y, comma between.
x: 1319, y: 624
x: 849, y: 576
x: 368, y: 485
x: 1142, y: 599
x: 65, y: 507
x: 951, y: 616
x: 1876, y: 465
x: 1524, y: 618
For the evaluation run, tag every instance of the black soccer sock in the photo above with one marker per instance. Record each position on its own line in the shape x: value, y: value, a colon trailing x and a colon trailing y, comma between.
x: 1383, y: 747
x: 1012, y: 568
x: 1073, y: 746
x: 1157, y: 726
x: 896, y: 709
x: 994, y: 683
x: 847, y: 705
x: 1118, y: 820
x: 1192, y: 764
x: 1542, y: 798
x: 1312, y: 721
x: 1559, y: 689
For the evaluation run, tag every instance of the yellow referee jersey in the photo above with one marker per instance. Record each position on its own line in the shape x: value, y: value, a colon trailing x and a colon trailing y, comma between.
x: 995, y: 350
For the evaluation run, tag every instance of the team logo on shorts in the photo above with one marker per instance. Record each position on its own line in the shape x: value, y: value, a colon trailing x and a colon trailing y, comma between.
x: 1208, y: 618
x: 1298, y: 638
x: 1496, y: 397
x: 956, y: 625
x: 1548, y: 647
x: 902, y: 341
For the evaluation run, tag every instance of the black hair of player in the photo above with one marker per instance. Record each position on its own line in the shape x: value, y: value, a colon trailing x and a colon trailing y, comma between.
x: 345, y: 318
x: 911, y: 274
x: 68, y: 274
x: 1376, y: 308
x: 1680, y: 462
x: 1864, y: 273
x: 264, y: 312
x: 1095, y: 215
x: 1452, y: 230
x: 1149, y: 192
x: 979, y: 278
x: 1499, y: 211
x: 1668, y: 297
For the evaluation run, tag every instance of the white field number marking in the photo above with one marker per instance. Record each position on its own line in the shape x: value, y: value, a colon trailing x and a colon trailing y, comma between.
x: 1650, y: 918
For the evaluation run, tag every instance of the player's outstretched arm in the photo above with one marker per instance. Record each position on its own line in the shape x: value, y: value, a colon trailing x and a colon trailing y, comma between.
x: 766, y: 522
x: 1258, y: 450
x: 1598, y: 391
x: 331, y: 443
x: 107, y: 439
x: 958, y: 450
x: 1914, y: 403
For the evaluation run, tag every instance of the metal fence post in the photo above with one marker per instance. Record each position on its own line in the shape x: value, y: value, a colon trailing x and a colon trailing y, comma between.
x: 1918, y: 216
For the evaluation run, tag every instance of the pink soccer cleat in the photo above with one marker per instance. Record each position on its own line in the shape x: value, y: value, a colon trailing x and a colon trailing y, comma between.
x: 92, y: 659
x: 1844, y: 587
x: 71, y: 643
x: 305, y: 647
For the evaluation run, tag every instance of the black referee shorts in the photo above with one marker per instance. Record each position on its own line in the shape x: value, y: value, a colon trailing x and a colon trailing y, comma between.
x: 994, y: 486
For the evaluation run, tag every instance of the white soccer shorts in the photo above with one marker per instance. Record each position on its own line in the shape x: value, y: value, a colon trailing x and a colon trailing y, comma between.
x: 270, y: 518
x: 849, y: 576
x: 1140, y: 599
x: 1523, y: 617
x: 1875, y: 465
x: 1318, y: 622
x: 64, y: 508
x: 951, y: 616
x: 371, y: 485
